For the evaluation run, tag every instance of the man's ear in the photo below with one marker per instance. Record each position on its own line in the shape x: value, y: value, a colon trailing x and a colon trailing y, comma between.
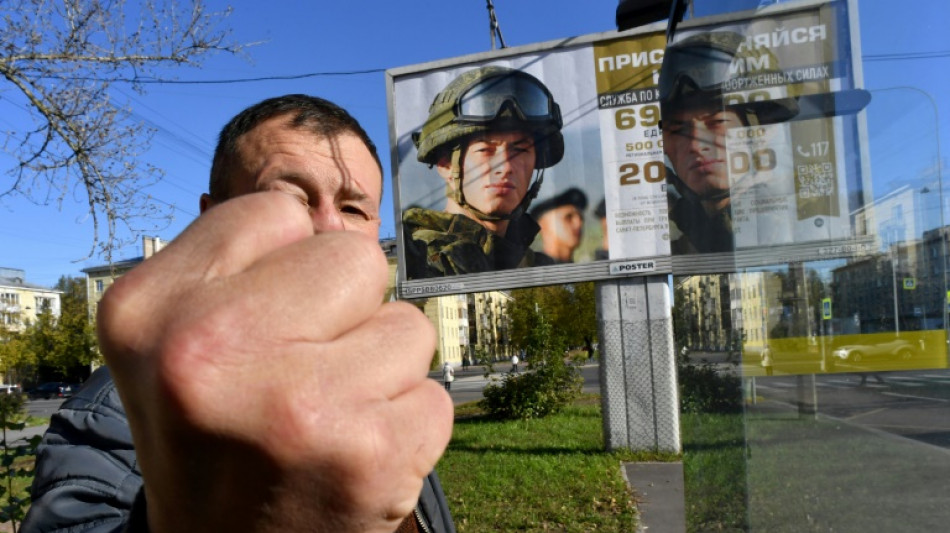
x: 444, y: 168
x: 206, y: 203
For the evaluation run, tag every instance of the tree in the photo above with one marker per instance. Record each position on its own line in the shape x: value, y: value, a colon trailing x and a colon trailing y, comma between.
x: 59, y: 59
x: 14, y: 355
x: 585, y: 314
x: 53, y: 348
x: 546, y: 388
x: 63, y: 347
x: 570, y: 309
x: 76, y: 334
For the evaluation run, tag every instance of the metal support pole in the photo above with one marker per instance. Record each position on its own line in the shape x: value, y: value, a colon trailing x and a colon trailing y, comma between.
x: 638, y: 369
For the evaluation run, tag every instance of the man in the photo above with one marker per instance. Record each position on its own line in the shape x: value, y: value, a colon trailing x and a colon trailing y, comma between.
x: 696, y: 116
x: 232, y: 351
x: 562, y: 224
x: 486, y: 133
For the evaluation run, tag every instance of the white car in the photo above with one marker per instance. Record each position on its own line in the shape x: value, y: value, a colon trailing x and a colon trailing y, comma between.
x: 895, y: 349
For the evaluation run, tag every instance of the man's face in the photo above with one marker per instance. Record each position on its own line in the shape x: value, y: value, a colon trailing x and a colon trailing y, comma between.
x: 336, y: 178
x: 563, y: 225
x: 496, y: 171
x: 695, y: 142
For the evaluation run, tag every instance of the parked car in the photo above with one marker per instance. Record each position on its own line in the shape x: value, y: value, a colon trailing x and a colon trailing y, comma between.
x: 50, y: 390
x: 9, y: 389
x: 894, y: 349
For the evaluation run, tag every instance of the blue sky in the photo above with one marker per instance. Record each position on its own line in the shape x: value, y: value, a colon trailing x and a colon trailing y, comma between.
x: 299, y: 37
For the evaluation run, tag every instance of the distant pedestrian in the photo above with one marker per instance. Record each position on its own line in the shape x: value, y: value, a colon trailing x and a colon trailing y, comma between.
x: 514, y: 364
x: 448, y: 375
x: 767, y: 361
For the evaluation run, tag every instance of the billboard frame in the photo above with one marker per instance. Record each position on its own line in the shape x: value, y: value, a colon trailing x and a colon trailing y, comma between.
x: 608, y: 269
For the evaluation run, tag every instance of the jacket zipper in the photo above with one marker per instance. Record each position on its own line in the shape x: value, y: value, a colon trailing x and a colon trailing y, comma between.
x: 422, y: 523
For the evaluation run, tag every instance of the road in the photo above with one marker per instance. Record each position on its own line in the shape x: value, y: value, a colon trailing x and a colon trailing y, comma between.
x: 468, y: 387
x: 470, y: 382
x: 43, y: 408
x: 910, y: 404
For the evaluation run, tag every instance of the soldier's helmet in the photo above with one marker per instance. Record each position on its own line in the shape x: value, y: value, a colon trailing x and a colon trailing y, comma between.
x: 707, y: 69
x: 492, y: 98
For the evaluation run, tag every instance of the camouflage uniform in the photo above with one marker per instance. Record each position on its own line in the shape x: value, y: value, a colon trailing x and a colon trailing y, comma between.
x: 440, y: 244
x: 692, y: 229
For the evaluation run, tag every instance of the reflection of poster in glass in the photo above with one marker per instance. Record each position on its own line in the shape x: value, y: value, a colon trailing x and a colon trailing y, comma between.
x: 750, y: 169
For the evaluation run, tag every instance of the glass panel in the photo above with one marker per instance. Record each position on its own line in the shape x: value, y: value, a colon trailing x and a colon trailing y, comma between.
x: 829, y: 373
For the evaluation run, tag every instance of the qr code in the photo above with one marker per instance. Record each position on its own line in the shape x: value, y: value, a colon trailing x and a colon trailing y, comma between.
x: 816, y: 180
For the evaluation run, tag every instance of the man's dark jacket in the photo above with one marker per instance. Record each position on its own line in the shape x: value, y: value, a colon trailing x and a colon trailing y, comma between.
x: 88, y: 480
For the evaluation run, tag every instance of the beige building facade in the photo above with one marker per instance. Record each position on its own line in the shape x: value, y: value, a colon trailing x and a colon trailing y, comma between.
x: 21, y: 301
x: 99, y: 278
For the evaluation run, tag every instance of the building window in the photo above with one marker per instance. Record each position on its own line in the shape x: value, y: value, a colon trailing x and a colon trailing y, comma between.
x: 99, y: 285
x: 43, y: 304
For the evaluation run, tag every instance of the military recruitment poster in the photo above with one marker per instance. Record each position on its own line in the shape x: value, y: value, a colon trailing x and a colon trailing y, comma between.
x: 628, y: 72
x: 602, y: 191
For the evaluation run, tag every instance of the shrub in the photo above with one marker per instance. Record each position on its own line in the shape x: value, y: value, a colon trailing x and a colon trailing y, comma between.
x: 543, y: 390
x: 705, y: 390
x: 14, y: 500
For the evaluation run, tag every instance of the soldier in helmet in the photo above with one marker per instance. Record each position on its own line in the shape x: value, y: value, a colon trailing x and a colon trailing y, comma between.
x: 696, y: 115
x: 487, y: 133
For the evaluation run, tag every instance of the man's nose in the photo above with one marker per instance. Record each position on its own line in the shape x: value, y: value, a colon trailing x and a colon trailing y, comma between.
x: 326, y: 217
x: 701, y: 138
x: 501, y: 162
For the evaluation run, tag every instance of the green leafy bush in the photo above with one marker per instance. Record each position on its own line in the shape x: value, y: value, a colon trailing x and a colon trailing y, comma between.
x: 705, y: 390
x: 543, y: 390
x: 16, y: 462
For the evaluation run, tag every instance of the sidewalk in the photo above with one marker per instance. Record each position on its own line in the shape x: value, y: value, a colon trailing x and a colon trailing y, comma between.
x: 19, y: 437
x: 658, y: 489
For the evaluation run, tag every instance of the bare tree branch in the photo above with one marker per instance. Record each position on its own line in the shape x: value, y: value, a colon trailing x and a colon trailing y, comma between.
x: 59, y: 58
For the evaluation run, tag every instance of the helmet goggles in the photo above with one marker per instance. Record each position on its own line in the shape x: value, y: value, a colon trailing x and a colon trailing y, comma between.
x: 486, y: 100
x: 703, y: 68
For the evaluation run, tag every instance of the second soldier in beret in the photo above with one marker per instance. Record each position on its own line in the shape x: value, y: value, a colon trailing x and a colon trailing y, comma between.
x: 562, y: 224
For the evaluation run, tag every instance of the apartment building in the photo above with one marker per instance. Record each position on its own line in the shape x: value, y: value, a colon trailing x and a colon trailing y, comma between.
x: 101, y: 277
x: 21, y: 301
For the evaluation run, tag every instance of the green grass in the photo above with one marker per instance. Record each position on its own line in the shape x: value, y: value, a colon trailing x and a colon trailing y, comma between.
x: 829, y: 475
x: 714, y: 469
x: 549, y: 474
x: 773, y: 470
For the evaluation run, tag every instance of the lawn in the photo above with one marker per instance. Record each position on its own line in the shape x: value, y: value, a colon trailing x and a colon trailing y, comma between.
x: 549, y: 474
x: 714, y: 468
x: 808, y: 474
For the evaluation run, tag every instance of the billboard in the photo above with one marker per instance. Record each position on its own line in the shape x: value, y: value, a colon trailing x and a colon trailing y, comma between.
x: 552, y: 163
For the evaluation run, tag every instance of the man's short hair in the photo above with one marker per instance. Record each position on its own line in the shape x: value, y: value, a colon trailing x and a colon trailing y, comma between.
x: 321, y: 117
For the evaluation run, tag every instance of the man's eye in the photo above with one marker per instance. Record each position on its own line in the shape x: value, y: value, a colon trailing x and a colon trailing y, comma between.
x: 354, y: 211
